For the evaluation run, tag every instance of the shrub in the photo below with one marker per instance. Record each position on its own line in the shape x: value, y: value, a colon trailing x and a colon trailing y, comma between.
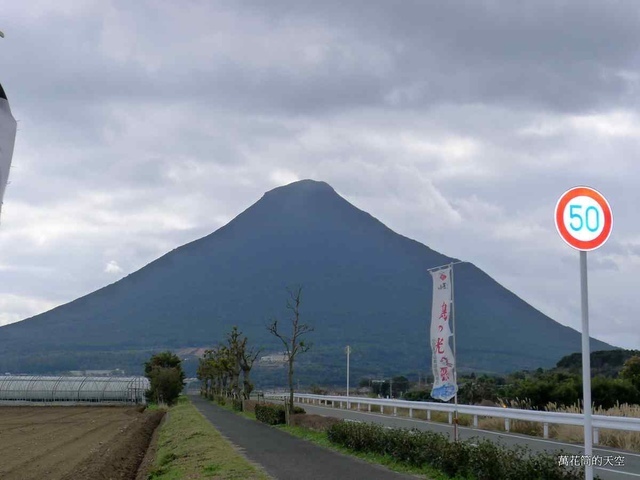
x: 166, y: 378
x: 479, y: 459
x: 270, y: 414
x: 453, y: 458
x: 485, y: 461
x: 221, y: 400
x: 236, y: 404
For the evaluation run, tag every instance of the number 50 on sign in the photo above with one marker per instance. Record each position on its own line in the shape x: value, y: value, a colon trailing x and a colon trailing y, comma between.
x: 583, y: 218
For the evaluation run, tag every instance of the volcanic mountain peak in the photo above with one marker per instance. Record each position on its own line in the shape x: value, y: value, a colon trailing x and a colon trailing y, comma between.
x: 364, y: 285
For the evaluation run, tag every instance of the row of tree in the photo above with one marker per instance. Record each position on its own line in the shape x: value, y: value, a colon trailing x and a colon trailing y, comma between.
x: 560, y: 385
x: 221, y: 367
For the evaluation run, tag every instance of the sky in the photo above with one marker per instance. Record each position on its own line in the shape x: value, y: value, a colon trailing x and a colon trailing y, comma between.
x: 145, y: 125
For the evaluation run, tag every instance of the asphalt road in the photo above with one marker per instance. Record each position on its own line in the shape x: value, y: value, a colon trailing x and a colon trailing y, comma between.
x: 286, y: 457
x: 630, y: 470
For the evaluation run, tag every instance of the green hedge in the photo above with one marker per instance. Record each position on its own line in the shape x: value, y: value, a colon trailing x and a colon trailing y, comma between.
x: 480, y: 459
x: 270, y: 414
x: 236, y: 404
x: 273, y: 414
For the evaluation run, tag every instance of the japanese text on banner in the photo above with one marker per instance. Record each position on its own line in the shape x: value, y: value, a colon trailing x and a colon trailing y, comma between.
x: 443, y: 362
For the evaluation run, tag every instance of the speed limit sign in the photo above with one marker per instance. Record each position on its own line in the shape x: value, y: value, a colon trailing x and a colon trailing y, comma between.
x: 583, y: 218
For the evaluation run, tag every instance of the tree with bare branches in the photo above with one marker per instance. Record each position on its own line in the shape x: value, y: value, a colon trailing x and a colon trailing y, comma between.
x: 293, y: 343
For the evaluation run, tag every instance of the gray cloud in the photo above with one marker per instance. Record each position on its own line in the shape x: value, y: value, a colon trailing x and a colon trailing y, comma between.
x: 145, y: 126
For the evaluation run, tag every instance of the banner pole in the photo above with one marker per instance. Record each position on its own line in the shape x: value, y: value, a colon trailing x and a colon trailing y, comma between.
x: 455, y: 367
x: 445, y: 266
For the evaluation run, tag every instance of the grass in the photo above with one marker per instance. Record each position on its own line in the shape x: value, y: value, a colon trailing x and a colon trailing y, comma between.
x: 611, y: 438
x: 227, y: 406
x: 157, y: 406
x: 320, y: 438
x: 189, y: 447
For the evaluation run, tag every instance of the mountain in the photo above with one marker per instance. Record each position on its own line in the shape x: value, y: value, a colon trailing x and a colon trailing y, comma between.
x: 363, y: 285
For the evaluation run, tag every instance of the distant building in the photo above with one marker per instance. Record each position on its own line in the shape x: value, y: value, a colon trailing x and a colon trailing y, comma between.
x: 97, y: 373
x: 280, y: 357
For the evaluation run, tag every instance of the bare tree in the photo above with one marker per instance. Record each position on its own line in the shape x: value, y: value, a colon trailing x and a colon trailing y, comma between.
x: 292, y: 343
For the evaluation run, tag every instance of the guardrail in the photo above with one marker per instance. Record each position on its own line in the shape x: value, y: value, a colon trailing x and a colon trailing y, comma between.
x: 546, y: 418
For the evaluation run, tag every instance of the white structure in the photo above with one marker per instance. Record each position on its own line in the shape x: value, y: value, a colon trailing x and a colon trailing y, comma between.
x: 280, y: 357
x: 72, y: 390
x: 8, y: 128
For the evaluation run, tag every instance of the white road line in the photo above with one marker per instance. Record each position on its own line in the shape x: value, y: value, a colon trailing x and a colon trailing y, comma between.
x: 617, y: 471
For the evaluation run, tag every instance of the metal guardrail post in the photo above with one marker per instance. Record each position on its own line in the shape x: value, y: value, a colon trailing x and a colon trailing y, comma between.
x: 596, y: 436
x: 558, y: 418
x: 450, y: 418
x: 507, y: 424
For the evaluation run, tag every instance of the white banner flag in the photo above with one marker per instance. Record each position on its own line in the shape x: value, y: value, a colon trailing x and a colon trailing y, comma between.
x: 443, y: 362
x: 7, y: 139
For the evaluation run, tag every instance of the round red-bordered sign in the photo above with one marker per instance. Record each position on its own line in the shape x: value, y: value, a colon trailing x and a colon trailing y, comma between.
x: 583, y: 218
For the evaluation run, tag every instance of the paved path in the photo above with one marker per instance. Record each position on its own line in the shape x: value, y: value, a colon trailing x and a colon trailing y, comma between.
x: 285, y: 457
x: 630, y: 470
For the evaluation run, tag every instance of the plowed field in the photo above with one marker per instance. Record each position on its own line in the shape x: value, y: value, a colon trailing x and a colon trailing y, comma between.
x: 73, y: 442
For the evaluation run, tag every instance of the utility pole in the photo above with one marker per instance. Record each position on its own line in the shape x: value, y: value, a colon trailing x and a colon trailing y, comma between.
x: 348, y: 352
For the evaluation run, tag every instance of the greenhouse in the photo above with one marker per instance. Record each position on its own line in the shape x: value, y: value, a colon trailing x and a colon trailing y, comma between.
x: 72, y: 390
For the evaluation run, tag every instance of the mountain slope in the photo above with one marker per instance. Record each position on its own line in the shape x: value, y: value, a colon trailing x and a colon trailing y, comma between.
x: 362, y: 283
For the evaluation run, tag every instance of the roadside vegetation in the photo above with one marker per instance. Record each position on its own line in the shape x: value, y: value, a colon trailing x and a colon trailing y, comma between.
x: 615, y: 392
x: 318, y: 435
x: 616, y: 381
x: 220, y: 369
x: 426, y: 454
x: 477, y: 459
x: 166, y: 377
x: 188, y: 446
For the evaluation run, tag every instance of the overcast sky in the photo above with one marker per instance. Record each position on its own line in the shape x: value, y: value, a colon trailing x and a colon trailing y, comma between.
x: 146, y: 125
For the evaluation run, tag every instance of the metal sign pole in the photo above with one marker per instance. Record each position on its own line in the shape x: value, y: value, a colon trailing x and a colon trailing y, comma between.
x: 584, y: 220
x: 586, y: 367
